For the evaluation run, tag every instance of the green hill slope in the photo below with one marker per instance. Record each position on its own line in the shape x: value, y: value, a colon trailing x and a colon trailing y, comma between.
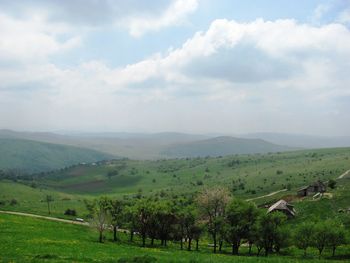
x: 221, y: 146
x: 30, y: 156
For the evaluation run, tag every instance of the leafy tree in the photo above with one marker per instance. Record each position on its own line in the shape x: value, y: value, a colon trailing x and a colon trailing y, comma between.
x: 144, y: 213
x: 189, y: 226
x: 304, y: 235
x: 268, y: 231
x: 100, y: 215
x: 282, y: 238
x: 321, y: 236
x: 212, y: 203
x: 130, y: 217
x: 336, y: 236
x: 240, y: 218
x: 166, y: 218
x: 116, y: 209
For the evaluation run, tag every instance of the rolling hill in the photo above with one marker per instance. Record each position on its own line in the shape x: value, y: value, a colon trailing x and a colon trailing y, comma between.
x: 31, y: 156
x: 221, y: 146
x: 152, y: 146
x: 301, y: 140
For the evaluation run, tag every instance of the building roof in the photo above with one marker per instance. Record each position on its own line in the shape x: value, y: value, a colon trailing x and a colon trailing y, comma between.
x: 317, y: 183
x: 282, y: 205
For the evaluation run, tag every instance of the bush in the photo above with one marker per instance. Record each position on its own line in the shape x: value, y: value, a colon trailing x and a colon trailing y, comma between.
x: 199, y: 182
x: 70, y: 212
x: 138, y: 259
x: 13, y: 202
x: 332, y: 183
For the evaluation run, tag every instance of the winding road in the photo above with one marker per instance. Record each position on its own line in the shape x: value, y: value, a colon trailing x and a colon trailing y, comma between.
x: 267, y: 195
x: 46, y: 217
x: 344, y: 174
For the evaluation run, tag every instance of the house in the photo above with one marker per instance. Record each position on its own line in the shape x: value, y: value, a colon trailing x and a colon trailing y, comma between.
x: 314, y: 188
x: 283, y: 207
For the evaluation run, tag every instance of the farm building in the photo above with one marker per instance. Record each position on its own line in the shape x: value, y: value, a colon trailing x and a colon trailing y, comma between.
x: 283, y: 207
x: 314, y: 188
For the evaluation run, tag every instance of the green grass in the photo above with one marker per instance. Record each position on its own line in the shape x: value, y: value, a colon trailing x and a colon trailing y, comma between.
x: 25, y: 239
x: 30, y: 156
x: 31, y: 200
x: 260, y: 173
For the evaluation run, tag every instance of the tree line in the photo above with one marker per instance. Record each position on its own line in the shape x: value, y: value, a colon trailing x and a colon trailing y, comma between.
x: 215, y: 216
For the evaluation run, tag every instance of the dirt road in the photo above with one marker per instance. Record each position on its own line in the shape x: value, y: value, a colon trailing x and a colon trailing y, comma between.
x: 270, y: 194
x: 344, y: 174
x: 46, y: 217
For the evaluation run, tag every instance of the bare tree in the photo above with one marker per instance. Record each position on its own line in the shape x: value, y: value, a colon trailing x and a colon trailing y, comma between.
x: 48, y: 200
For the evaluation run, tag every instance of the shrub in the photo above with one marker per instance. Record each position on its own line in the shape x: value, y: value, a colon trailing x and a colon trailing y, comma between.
x: 13, y: 202
x: 70, y: 212
x: 332, y: 183
x: 138, y: 259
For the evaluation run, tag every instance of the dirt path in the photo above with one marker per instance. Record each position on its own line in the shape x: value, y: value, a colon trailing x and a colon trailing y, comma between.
x: 344, y: 174
x: 270, y: 194
x: 45, y: 217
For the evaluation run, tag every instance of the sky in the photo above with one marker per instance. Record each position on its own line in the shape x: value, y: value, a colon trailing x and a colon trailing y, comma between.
x: 195, y: 66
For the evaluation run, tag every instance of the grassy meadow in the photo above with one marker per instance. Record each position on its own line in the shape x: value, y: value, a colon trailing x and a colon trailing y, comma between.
x: 25, y: 239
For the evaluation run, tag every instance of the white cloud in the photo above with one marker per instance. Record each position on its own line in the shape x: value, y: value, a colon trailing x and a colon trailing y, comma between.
x: 344, y: 17
x: 175, y: 14
x: 33, y: 38
x: 279, y: 72
x: 138, y: 17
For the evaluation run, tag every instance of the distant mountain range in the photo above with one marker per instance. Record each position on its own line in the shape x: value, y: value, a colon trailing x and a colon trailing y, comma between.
x: 63, y: 149
x: 302, y: 140
x: 31, y: 156
x: 220, y: 146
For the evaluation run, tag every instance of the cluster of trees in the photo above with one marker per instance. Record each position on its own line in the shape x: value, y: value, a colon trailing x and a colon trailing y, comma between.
x: 320, y: 235
x: 213, y: 215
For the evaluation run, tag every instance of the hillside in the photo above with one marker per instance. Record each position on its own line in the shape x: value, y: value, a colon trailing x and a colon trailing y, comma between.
x: 30, y: 156
x: 221, y: 146
x: 245, y: 175
x: 131, y: 145
x: 301, y: 140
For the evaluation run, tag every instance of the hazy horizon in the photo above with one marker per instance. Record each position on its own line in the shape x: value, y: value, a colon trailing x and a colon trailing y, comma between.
x: 191, y: 66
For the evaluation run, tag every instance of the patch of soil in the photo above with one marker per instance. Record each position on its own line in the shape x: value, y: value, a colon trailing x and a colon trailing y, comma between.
x: 86, y: 186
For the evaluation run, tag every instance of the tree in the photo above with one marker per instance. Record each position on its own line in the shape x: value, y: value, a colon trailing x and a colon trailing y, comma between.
x: 166, y: 218
x: 100, y: 215
x: 115, y: 209
x: 48, y: 200
x: 282, y: 238
x: 144, y: 211
x: 212, y: 203
x: 303, y: 236
x: 130, y: 217
x: 240, y: 218
x: 189, y: 227
x: 321, y: 236
x: 336, y: 236
x: 268, y: 230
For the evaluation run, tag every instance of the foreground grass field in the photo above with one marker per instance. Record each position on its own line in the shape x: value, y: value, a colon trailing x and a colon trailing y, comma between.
x: 24, y: 239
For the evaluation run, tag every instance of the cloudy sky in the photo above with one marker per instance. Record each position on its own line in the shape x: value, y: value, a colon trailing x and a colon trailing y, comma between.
x: 198, y: 66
